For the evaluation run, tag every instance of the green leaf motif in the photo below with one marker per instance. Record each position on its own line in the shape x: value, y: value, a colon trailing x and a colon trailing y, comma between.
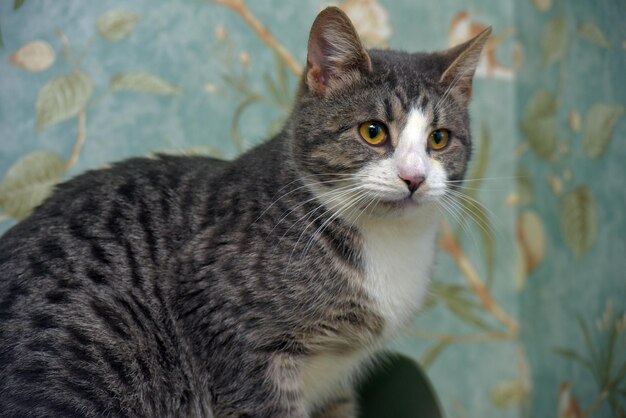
x: 479, y: 166
x: 574, y: 356
x: 598, y: 128
x: 554, y: 41
x: 539, y: 126
x: 579, y: 220
x: 29, y: 181
x: 432, y: 353
x: 61, y: 98
x: 116, y: 25
x: 144, y: 83
x: 593, y: 33
x: 457, y: 300
x: 524, y: 186
x: 508, y: 393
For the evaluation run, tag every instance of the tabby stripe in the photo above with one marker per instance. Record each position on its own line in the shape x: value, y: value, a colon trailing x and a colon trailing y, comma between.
x: 99, y: 253
x: 12, y: 296
x: 117, y: 366
x: 114, y: 225
x: 134, y: 266
x: 78, y: 335
x: 146, y: 223
x: 165, y: 358
x: 388, y: 111
x: 43, y: 321
x: 53, y: 249
x: 52, y: 407
x: 96, y: 276
x: 87, y: 393
x: 56, y: 296
x: 143, y: 366
x: 111, y: 318
x: 80, y: 353
x: 40, y: 346
x: 133, y: 314
x: 128, y: 191
x: 423, y: 103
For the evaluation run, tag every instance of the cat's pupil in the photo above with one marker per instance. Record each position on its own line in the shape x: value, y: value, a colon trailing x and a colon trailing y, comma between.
x: 373, y: 130
x: 437, y: 137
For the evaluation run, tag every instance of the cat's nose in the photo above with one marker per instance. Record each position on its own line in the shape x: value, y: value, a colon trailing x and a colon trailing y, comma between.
x: 413, y: 182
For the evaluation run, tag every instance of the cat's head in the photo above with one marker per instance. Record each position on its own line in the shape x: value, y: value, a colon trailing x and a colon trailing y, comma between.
x: 384, y: 129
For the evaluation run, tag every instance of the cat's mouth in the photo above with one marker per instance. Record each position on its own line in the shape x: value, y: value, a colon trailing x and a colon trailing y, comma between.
x: 405, y: 203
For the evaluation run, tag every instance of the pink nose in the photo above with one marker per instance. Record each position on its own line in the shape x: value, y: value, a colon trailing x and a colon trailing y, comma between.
x: 412, y: 182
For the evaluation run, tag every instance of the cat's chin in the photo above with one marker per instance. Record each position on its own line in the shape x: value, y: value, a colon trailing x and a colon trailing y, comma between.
x: 400, y: 207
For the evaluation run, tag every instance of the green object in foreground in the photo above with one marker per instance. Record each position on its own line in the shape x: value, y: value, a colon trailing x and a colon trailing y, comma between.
x: 398, y: 388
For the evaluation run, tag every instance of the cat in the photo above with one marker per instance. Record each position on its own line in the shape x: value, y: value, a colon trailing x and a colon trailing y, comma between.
x: 258, y: 287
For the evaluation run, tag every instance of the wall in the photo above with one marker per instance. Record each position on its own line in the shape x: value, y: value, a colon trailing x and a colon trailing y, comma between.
x: 544, y: 245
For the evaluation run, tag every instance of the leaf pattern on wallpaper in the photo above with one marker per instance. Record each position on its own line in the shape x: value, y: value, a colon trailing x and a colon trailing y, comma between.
x: 593, y: 33
x: 542, y: 5
x: 35, y: 56
x: 459, y: 301
x: 61, y: 98
x: 578, y: 215
x: 603, y: 356
x: 538, y: 124
x: 508, y: 393
x: 475, y: 210
x: 143, y: 83
x: 554, y: 40
x: 29, y: 181
x: 598, y: 128
x: 525, y: 189
x: 531, y: 238
x: 116, y: 25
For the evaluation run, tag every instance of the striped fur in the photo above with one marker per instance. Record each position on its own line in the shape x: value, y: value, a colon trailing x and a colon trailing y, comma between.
x: 259, y: 287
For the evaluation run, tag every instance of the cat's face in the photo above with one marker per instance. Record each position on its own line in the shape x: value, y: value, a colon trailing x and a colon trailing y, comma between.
x: 384, y: 130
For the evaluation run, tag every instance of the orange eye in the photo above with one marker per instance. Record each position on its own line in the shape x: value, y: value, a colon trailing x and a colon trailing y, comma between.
x: 439, y: 138
x: 374, y: 133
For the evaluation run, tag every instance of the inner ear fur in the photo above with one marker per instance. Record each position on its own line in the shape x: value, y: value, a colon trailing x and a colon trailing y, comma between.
x: 335, y: 54
x: 463, y: 60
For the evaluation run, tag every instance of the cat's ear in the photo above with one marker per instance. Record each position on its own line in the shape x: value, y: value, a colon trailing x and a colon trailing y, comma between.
x: 461, y: 62
x: 335, y: 53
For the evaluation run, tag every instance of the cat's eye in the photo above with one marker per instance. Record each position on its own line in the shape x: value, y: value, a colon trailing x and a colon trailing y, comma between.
x: 439, y: 139
x: 374, y: 133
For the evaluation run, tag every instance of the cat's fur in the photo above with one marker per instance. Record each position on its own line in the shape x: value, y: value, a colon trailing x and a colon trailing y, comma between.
x: 260, y: 287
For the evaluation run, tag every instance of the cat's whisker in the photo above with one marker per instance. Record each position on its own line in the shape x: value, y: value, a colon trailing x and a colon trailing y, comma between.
x: 314, y: 197
x: 364, y: 195
x: 467, y: 180
x: 336, y: 213
x: 290, y: 192
x: 468, y: 209
x: 308, y: 214
x: 456, y: 211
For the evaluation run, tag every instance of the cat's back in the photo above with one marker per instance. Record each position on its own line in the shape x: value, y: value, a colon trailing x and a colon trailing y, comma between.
x: 83, y: 293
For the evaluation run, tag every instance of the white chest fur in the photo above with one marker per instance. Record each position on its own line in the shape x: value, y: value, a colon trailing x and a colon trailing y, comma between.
x: 398, y: 256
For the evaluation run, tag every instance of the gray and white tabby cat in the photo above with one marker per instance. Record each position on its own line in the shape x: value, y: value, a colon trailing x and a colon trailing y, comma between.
x: 259, y: 287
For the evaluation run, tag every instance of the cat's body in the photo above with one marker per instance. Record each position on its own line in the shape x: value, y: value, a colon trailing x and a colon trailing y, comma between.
x: 194, y: 287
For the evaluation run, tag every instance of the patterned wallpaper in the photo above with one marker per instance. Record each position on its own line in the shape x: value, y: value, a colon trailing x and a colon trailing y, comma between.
x: 527, y: 314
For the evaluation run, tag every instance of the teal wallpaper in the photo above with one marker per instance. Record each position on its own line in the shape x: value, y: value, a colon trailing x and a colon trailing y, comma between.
x: 527, y: 316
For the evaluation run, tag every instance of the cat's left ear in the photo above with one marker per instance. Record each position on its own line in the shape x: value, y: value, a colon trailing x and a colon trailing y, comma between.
x: 335, y: 55
x: 461, y: 62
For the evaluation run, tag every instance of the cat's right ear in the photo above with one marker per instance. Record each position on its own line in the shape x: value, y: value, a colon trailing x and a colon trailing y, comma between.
x: 335, y: 55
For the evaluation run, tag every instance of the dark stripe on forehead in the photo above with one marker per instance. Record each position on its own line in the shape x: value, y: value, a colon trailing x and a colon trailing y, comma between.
x: 423, y: 103
x: 388, y: 111
x: 404, y: 101
x: 435, y: 116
